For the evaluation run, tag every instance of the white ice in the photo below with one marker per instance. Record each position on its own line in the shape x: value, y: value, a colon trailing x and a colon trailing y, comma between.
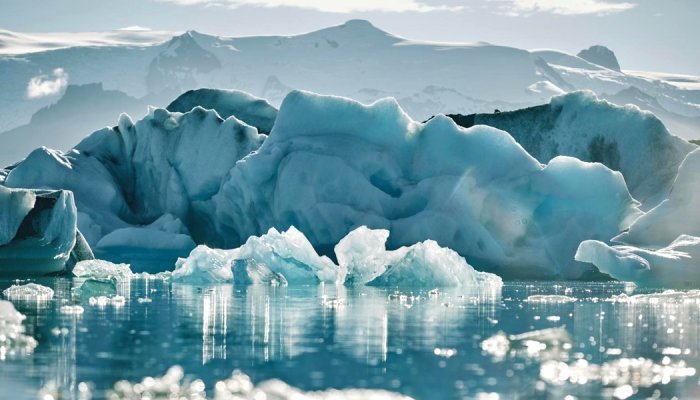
x: 28, y: 292
x: 101, y: 270
x: 662, y: 247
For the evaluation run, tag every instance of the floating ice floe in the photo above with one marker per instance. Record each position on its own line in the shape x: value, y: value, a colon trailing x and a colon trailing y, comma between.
x: 279, y: 258
x: 28, y: 292
x: 13, y: 341
x: 238, y: 387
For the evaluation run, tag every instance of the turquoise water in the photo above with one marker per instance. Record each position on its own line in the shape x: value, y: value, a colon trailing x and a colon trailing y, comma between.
x: 426, y: 345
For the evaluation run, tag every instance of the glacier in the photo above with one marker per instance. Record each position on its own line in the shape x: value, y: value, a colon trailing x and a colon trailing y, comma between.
x: 662, y: 247
x: 173, y: 180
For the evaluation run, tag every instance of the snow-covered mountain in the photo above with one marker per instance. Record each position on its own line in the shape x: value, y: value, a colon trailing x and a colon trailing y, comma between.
x: 355, y: 60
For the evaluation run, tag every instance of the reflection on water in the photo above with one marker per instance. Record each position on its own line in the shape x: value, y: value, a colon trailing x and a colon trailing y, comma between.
x: 426, y: 344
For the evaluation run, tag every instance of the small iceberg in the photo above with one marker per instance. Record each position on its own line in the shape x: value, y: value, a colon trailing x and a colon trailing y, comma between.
x: 280, y: 258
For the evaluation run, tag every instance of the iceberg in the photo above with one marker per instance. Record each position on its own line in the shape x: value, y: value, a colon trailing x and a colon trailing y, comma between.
x: 204, y: 265
x: 332, y: 164
x: 677, y: 214
x: 146, y: 184
x: 329, y: 166
x: 362, y: 252
x: 38, y: 233
x: 578, y: 124
x: 662, y: 247
x: 252, y: 110
x: 674, y: 266
x: 274, y: 258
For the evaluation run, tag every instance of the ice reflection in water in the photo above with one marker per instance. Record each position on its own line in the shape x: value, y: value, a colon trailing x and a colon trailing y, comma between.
x: 423, y: 344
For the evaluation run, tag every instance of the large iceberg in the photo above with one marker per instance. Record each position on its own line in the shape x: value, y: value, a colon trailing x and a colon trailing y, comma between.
x: 332, y: 164
x: 577, y: 124
x: 38, y: 232
x: 145, y: 185
x: 662, y: 247
x: 329, y: 166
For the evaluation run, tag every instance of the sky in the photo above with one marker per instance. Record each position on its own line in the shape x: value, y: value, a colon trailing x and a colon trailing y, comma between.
x: 650, y: 35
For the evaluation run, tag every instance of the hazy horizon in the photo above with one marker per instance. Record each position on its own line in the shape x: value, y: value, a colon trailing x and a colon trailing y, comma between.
x: 645, y: 34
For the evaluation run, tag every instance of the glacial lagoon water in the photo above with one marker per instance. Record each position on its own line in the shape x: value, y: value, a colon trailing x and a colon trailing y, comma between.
x: 443, y: 344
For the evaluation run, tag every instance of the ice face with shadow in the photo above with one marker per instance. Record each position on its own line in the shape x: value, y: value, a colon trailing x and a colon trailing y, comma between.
x: 662, y: 247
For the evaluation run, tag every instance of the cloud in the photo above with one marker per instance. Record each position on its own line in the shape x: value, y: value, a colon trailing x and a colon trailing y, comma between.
x: 564, y: 7
x: 43, y: 85
x: 330, y: 6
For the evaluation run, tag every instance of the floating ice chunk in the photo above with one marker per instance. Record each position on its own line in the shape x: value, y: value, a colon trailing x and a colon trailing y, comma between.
x: 103, y: 301
x: 691, y: 297
x: 549, y: 298
x: 674, y: 266
x: 72, y: 310
x: 28, y: 292
x: 239, y: 386
x: 545, y: 344
x: 204, y: 265
x: 13, y: 341
x: 290, y: 254
x: 363, y: 253
x: 101, y: 270
x: 636, y: 372
x: 428, y: 265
